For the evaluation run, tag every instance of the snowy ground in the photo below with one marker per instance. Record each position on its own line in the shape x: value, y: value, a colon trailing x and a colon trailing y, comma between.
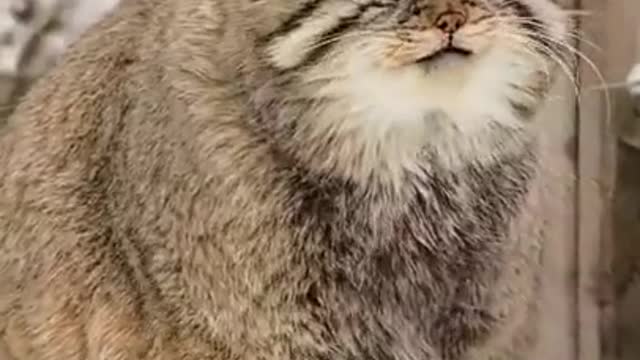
x: 33, y: 36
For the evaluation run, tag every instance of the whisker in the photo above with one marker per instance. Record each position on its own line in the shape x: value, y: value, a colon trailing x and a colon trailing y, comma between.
x: 523, y: 42
x: 578, y: 12
x: 592, y: 66
x: 575, y: 34
x: 581, y: 56
x: 611, y: 86
x: 540, y: 52
x: 526, y: 39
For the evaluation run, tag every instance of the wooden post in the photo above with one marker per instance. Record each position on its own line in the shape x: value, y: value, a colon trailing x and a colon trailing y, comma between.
x: 595, y: 177
x: 607, y: 179
x: 558, y: 315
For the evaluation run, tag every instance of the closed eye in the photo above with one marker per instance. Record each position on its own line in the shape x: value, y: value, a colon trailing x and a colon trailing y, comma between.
x: 311, y: 31
x: 481, y: 19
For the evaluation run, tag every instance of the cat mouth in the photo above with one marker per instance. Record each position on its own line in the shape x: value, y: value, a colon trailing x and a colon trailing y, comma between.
x: 448, y: 51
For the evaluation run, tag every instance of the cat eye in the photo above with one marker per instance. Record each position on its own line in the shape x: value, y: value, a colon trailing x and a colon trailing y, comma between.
x: 381, y: 4
x: 470, y: 3
x: 22, y: 10
x: 414, y: 9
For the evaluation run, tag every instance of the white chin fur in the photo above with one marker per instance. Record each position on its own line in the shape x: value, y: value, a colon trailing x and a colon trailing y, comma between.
x: 449, y: 109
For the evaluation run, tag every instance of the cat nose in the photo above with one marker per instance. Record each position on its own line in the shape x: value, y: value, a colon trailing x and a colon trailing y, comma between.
x: 450, y: 21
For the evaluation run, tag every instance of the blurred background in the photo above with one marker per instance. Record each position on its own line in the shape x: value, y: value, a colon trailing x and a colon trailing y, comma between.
x: 33, y: 36
x: 592, y: 130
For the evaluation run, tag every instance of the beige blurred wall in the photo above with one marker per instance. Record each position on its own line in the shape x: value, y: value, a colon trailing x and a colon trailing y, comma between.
x: 623, y: 49
x: 609, y: 177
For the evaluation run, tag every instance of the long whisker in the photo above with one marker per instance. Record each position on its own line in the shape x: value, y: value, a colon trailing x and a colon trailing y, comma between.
x: 576, y: 35
x: 540, y: 51
x: 611, y: 86
x: 581, y: 56
x: 526, y: 39
x: 523, y: 46
x: 594, y: 68
x: 578, y: 12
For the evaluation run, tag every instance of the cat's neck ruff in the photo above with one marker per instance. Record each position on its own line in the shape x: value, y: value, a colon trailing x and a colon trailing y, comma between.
x: 389, y: 122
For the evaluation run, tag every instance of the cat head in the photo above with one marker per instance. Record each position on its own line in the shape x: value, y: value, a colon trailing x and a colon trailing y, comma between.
x: 387, y: 79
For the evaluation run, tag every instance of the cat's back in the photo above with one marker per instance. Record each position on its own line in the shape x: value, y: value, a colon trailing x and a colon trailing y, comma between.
x: 61, y: 129
x: 72, y: 111
x: 78, y: 87
x: 56, y: 174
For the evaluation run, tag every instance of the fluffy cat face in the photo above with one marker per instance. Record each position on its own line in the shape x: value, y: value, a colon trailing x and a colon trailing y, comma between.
x: 392, y: 78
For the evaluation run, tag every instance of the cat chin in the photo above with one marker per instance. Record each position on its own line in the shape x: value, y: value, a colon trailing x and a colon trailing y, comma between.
x: 484, y: 83
x: 453, y: 109
x: 444, y: 62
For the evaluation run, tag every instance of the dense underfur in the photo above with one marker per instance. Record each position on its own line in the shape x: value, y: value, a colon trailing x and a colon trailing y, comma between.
x: 164, y: 195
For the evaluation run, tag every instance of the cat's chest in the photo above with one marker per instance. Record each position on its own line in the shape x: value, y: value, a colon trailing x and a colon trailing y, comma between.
x: 437, y: 217
x: 418, y: 288
x: 415, y: 274
x: 445, y: 234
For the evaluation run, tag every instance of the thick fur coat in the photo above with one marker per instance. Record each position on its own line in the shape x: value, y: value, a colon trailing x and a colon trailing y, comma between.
x: 279, y: 179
